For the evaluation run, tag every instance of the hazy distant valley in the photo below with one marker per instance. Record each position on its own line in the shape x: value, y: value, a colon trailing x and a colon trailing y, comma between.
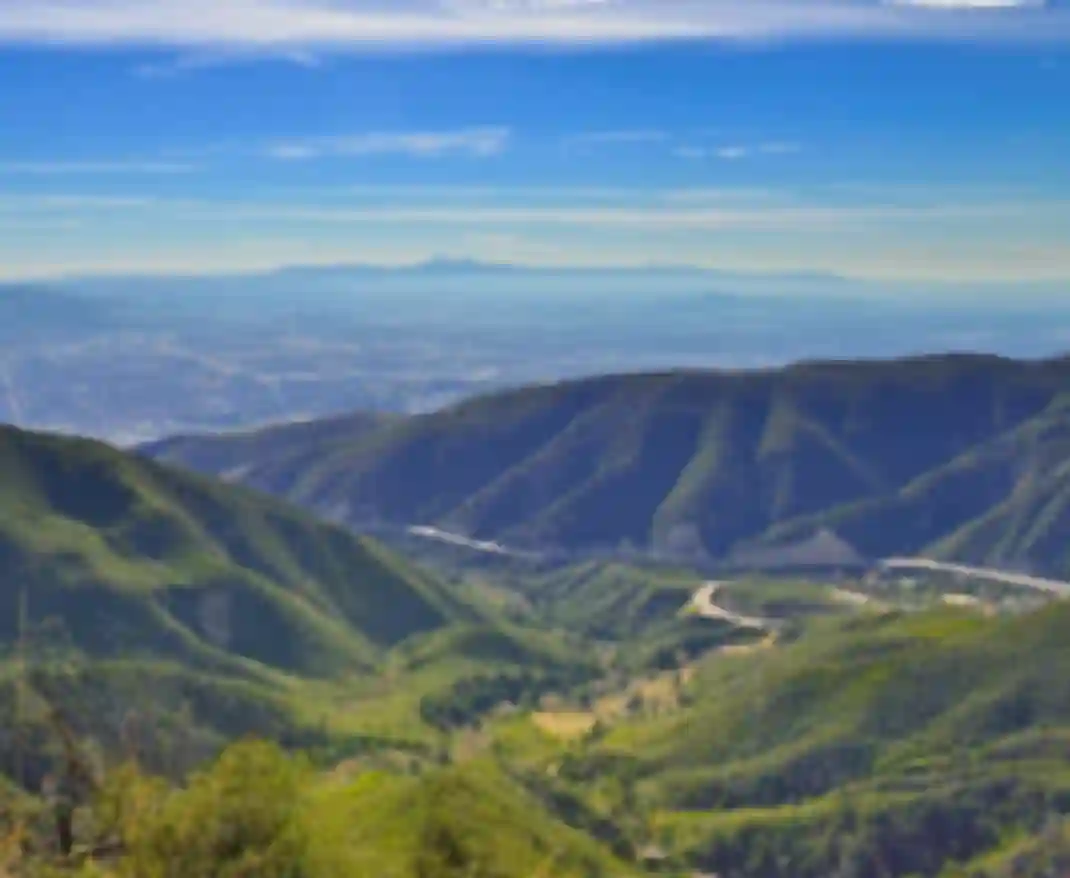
x: 134, y: 359
x: 700, y: 661
x: 687, y: 549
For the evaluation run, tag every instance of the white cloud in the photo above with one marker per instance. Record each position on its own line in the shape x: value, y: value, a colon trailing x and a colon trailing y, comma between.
x: 279, y: 26
x: 968, y: 4
x: 72, y: 201
x: 720, y: 196
x: 476, y: 142
x: 732, y: 153
x: 736, y: 151
x: 681, y: 216
x: 458, y: 193
x: 206, y: 60
x: 701, y: 208
x: 971, y: 234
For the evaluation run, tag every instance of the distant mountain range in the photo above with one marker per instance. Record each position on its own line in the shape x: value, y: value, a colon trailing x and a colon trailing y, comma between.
x: 958, y: 456
x: 576, y: 285
x: 452, y: 265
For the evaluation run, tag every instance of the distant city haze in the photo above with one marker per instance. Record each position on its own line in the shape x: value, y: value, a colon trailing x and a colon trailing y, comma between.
x: 130, y: 359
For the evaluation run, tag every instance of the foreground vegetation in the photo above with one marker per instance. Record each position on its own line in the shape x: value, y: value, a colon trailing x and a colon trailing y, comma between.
x: 883, y: 743
x: 199, y: 681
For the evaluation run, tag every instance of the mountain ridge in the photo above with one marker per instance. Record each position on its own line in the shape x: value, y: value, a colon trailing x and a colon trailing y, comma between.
x: 708, y: 462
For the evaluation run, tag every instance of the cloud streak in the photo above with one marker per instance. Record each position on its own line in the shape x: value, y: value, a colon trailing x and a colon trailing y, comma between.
x: 736, y: 151
x: 798, y: 218
x: 936, y: 235
x: 207, y: 60
x: 484, y: 142
x: 281, y: 26
x: 677, y: 212
x: 623, y: 136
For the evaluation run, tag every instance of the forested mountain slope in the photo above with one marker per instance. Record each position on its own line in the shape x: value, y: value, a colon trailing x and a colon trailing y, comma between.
x: 960, y: 455
x: 894, y: 744
x: 133, y: 558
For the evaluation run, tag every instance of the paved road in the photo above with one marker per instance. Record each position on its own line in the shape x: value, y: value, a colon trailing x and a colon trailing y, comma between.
x: 702, y: 601
x: 433, y: 533
x: 1051, y: 586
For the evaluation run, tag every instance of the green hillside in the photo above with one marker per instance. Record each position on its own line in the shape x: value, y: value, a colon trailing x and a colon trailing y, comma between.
x: 605, y: 600
x: 135, y: 559
x: 524, y: 718
x: 205, y: 608
x: 937, y: 452
x: 858, y: 741
x: 885, y: 743
x: 464, y: 820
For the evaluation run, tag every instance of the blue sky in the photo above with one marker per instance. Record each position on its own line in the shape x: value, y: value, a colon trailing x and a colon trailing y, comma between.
x: 918, y: 139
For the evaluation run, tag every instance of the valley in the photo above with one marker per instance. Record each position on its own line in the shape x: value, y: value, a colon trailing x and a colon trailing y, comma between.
x: 137, y: 359
x: 534, y: 439
x: 608, y: 710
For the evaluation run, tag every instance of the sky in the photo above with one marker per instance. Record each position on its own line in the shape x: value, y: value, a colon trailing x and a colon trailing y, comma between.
x: 891, y: 139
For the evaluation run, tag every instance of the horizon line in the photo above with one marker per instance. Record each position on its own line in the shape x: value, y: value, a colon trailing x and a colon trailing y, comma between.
x: 461, y: 265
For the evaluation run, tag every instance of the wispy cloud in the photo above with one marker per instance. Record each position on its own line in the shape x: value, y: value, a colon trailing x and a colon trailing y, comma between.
x: 457, y: 193
x: 110, y: 168
x: 800, y: 217
x: 356, y: 25
x: 932, y: 234
x: 731, y: 153
x: 72, y: 202
x: 207, y: 60
x: 969, y: 4
x: 482, y: 142
x: 470, y: 203
x: 735, y: 151
x: 735, y: 195
x: 617, y: 137
x: 779, y: 148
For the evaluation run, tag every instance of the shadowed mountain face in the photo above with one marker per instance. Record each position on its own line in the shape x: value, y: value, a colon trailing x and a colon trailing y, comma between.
x: 133, y: 559
x: 966, y: 456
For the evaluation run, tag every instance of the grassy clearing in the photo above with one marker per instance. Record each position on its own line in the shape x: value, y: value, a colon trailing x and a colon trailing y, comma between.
x: 565, y: 725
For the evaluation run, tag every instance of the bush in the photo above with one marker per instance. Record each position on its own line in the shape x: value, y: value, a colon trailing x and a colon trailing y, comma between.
x: 240, y: 818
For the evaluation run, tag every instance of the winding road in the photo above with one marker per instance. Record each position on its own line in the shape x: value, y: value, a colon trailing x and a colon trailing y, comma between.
x: 702, y: 602
x: 1050, y: 586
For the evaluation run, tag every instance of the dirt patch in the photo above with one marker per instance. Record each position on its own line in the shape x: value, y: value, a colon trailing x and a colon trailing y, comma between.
x: 567, y: 725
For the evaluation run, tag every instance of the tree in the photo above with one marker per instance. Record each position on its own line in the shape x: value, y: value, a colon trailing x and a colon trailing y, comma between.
x: 243, y: 816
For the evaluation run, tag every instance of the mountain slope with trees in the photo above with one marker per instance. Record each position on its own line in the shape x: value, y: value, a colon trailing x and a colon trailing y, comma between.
x: 130, y: 557
x: 930, y: 454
